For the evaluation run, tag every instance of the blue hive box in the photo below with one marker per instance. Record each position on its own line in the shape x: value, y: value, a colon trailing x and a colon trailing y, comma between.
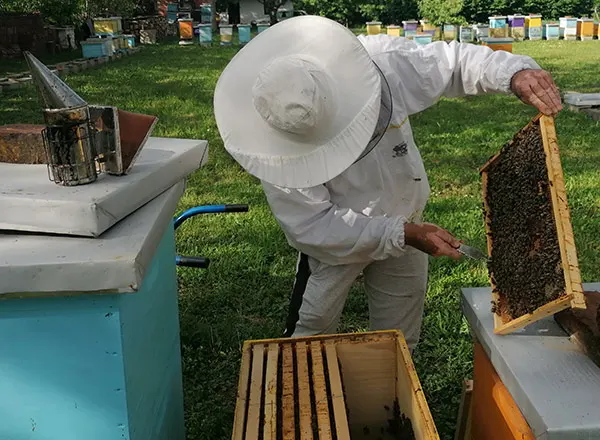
x: 95, y: 47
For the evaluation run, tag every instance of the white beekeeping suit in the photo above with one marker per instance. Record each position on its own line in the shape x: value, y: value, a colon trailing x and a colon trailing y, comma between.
x: 355, y: 221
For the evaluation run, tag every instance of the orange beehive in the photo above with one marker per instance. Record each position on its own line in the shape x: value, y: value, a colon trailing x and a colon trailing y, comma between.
x: 585, y: 29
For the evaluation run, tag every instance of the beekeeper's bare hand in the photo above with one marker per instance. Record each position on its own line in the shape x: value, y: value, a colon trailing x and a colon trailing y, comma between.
x: 536, y: 87
x: 431, y: 239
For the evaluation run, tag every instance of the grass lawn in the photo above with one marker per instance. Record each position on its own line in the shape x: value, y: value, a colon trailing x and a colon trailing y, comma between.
x: 244, y: 293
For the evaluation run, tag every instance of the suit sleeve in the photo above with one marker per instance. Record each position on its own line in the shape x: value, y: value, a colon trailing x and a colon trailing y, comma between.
x: 423, y: 74
x: 317, y: 227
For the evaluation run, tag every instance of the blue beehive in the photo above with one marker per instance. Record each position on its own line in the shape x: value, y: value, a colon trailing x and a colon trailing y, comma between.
x: 95, y: 47
x: 498, y: 26
x: 422, y: 38
x: 244, y: 33
x: 551, y: 31
x: 205, y: 34
x: 172, y: 10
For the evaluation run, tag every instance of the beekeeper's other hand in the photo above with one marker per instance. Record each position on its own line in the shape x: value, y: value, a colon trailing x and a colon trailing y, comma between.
x: 536, y: 87
x: 431, y: 239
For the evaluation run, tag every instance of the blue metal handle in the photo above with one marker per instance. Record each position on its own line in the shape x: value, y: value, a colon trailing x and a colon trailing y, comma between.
x: 208, y: 209
x: 202, y: 262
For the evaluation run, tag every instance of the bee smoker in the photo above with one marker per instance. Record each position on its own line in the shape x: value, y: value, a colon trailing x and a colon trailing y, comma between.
x: 82, y: 141
x: 69, y: 140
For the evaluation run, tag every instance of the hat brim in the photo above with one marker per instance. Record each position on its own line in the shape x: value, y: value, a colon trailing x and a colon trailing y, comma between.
x: 285, y: 159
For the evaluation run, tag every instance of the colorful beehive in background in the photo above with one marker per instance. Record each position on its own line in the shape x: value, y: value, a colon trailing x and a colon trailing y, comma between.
x: 410, y: 28
x: 481, y: 31
x: 186, y: 31
x: 585, y: 28
x: 596, y: 30
x: 373, y: 28
x: 172, y: 10
x: 498, y: 27
x: 129, y: 41
x: 498, y: 43
x: 422, y: 38
x: 96, y: 48
x: 205, y: 34
x: 244, y: 33
x: 551, y: 31
x: 533, y: 27
x: 429, y: 28
x: 349, y: 386
x: 206, y: 13
x: 111, y: 45
x: 466, y: 34
x: 393, y: 30
x: 262, y: 27
x: 568, y: 28
x: 449, y: 32
x: 108, y: 26
x: 226, y: 31
x: 516, y: 26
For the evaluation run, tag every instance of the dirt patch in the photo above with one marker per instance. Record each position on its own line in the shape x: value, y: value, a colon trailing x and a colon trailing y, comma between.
x: 525, y: 263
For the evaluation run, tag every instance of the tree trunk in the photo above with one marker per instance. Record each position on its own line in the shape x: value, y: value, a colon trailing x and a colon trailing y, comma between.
x: 213, y: 10
x: 273, y: 14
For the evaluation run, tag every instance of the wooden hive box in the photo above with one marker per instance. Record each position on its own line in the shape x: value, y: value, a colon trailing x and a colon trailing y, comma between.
x: 341, y: 387
x: 533, y: 266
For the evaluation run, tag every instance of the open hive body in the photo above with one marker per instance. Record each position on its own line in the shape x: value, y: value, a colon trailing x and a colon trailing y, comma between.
x: 572, y: 294
x: 330, y: 387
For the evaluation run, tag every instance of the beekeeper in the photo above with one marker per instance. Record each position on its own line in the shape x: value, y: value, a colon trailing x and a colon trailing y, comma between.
x: 321, y: 117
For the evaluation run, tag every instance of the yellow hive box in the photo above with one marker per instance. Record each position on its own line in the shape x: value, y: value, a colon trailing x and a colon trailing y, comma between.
x: 533, y: 21
x: 346, y: 386
x: 110, y: 25
x: 505, y: 44
x: 373, y: 27
x: 585, y: 29
x: 393, y: 30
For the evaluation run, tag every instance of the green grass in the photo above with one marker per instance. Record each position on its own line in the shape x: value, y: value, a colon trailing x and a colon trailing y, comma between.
x: 18, y: 65
x: 244, y: 293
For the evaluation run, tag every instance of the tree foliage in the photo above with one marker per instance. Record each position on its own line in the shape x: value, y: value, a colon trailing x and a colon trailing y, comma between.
x: 439, y: 12
x: 271, y: 7
x: 73, y: 12
x: 348, y: 12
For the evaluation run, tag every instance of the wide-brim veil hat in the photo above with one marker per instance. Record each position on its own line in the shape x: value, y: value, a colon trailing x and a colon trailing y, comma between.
x: 299, y: 103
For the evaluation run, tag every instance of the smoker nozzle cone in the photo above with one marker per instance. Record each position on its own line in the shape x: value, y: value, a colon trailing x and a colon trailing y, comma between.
x: 53, y: 91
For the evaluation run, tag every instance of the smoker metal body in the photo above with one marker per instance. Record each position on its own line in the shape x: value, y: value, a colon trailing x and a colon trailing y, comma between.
x: 82, y: 140
x: 69, y: 140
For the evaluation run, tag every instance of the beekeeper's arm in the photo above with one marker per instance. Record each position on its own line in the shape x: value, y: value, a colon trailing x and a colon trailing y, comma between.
x: 317, y: 227
x: 426, y: 73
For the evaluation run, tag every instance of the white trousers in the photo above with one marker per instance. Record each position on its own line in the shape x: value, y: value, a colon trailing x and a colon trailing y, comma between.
x: 395, y: 288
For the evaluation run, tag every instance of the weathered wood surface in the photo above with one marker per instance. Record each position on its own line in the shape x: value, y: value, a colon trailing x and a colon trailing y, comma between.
x: 22, y: 144
x: 583, y: 325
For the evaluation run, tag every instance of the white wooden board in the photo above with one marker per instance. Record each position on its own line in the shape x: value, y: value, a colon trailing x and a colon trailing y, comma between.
x: 116, y: 262
x: 29, y: 201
